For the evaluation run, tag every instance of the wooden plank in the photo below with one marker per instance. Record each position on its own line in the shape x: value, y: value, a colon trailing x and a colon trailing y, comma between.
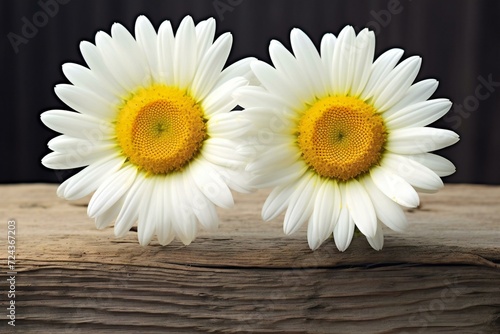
x: 442, y: 275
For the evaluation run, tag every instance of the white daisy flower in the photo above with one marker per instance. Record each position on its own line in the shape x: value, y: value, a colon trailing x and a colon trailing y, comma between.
x: 154, y: 128
x: 342, y: 138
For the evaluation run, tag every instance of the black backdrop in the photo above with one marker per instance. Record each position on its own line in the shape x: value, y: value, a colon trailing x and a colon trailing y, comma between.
x: 458, y: 40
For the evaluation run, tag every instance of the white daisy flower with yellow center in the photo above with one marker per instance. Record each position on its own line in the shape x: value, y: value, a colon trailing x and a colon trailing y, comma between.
x: 342, y: 138
x: 154, y: 128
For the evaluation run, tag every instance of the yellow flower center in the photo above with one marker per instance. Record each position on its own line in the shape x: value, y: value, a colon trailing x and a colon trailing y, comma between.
x: 160, y: 129
x: 341, y: 137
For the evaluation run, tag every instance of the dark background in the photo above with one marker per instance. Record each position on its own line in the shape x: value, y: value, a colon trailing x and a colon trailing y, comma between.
x: 458, y: 40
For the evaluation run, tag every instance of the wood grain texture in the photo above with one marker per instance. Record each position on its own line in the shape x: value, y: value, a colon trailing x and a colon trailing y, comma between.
x: 441, y: 276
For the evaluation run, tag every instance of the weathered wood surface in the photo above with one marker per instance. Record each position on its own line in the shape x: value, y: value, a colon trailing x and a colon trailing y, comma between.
x: 441, y: 276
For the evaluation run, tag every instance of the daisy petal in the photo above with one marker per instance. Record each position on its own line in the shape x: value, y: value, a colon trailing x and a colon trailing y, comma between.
x: 394, y: 187
x: 361, y: 208
x: 388, y: 211
x: 326, y: 210
x: 185, y: 53
x: 333, y: 192
x: 109, y: 215
x: 114, y: 60
x: 277, y: 201
x: 396, y: 84
x: 309, y: 60
x: 237, y: 179
x: 205, y: 32
x: 75, y: 159
x: 83, y: 77
x: 250, y: 96
x: 164, y: 230
x: 147, y: 39
x: 278, y: 157
x: 364, y: 52
x: 271, y: 125
x: 166, y: 46
x: 419, y: 140
x: 89, y: 179
x: 241, y: 68
x: 380, y: 69
x: 184, y: 220
x: 275, y: 82
x: 418, y: 92
x: 111, y: 190
x: 301, y: 205
x: 413, y: 172
x: 221, y: 151
x: 130, y: 210
x: 85, y: 101
x: 327, y: 48
x: 203, y: 209
x: 77, y: 125
x: 343, y: 64
x: 210, y: 182
x: 210, y: 65
x: 377, y: 241
x: 207, y: 215
x: 67, y: 144
x: 439, y: 165
x: 149, y: 212
x: 96, y: 63
x: 134, y: 59
x: 287, y: 64
x: 344, y: 230
x: 288, y: 174
x: 219, y: 100
x: 229, y: 125
x: 419, y: 114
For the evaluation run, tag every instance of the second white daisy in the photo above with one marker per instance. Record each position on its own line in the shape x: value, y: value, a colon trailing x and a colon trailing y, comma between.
x: 342, y: 138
